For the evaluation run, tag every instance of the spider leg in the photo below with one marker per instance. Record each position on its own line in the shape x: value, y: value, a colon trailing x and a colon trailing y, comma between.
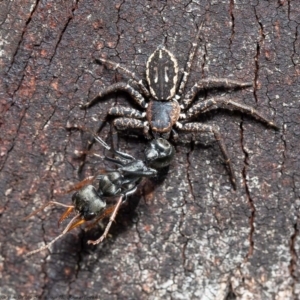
x: 124, y: 111
x: 211, y: 83
x: 129, y: 73
x: 127, y: 113
x: 128, y: 123
x: 189, y: 64
x: 117, y: 110
x: 175, y: 134
x: 111, y: 220
x: 197, y: 127
x: 215, y: 103
x: 116, y: 87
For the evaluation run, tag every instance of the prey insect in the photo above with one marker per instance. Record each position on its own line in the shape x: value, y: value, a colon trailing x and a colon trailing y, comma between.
x: 90, y: 203
x: 165, y: 107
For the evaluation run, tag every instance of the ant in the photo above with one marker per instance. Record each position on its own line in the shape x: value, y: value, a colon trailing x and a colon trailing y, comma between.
x: 90, y: 203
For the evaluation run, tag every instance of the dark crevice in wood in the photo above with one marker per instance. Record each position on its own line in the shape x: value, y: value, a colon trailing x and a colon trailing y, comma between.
x: 204, y: 56
x: 21, y: 117
x: 294, y: 256
x: 64, y: 30
x: 188, y: 173
x: 230, y: 295
x: 22, y: 35
x: 295, y: 51
x: 257, y: 57
x: 231, y: 11
x: 248, y: 195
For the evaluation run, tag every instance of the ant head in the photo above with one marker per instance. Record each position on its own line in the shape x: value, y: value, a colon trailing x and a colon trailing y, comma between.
x: 159, y: 153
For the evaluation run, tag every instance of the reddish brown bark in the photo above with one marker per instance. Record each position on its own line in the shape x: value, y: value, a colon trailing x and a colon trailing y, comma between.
x: 191, y: 234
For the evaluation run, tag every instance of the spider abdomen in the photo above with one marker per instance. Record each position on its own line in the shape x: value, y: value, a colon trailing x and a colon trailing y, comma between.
x: 162, y: 115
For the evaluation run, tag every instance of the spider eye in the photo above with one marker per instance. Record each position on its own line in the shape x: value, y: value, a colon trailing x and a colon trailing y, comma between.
x: 162, y: 74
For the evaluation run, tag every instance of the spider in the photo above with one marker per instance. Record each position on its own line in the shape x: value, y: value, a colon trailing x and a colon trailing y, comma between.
x: 168, y: 109
x: 90, y: 203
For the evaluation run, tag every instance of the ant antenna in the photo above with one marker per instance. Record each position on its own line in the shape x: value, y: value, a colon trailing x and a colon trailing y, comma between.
x: 95, y: 136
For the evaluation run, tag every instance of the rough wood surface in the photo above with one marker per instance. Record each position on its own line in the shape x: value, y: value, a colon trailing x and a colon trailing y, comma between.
x: 191, y: 236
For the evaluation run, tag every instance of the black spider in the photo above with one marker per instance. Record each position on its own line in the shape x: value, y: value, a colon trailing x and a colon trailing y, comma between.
x: 168, y: 109
x: 90, y: 202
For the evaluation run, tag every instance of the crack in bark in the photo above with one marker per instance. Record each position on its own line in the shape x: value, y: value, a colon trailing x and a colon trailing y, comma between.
x: 294, y: 47
x: 246, y: 155
x: 79, y: 260
x: 257, y: 56
x: 294, y: 256
x: 283, y: 136
x: 22, y: 35
x: 21, y: 117
x: 14, y: 55
x: 117, y: 22
x: 44, y: 267
x: 250, y: 200
x: 231, y: 9
x: 50, y: 252
x: 63, y: 30
x: 188, y: 174
x: 204, y: 56
x: 7, y: 14
x: 48, y: 119
x: 230, y: 293
x: 289, y: 9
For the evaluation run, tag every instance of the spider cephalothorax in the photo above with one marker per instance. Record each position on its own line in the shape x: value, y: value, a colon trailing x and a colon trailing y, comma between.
x: 165, y: 109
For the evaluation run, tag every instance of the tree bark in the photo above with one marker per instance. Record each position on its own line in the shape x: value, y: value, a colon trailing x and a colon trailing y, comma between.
x: 190, y: 236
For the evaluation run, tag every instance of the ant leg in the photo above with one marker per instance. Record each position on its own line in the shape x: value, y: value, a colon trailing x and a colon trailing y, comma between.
x: 211, y: 83
x: 47, y: 246
x: 197, y: 127
x: 107, y: 212
x: 111, y: 220
x: 91, y: 141
x: 77, y: 186
x: 44, y: 206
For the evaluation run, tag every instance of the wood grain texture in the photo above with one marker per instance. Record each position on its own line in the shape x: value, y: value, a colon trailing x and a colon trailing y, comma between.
x: 190, y: 236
